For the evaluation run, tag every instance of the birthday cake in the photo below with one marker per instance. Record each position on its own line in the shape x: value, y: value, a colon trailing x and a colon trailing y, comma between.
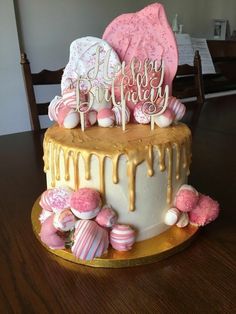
x: 117, y: 159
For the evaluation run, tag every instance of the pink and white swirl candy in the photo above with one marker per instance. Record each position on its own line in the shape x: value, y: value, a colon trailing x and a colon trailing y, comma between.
x: 56, y: 199
x: 177, y: 107
x: 118, y: 115
x: 64, y: 221
x: 54, y: 107
x: 107, y: 217
x: 90, y: 240
x: 122, y: 237
x: 69, y: 97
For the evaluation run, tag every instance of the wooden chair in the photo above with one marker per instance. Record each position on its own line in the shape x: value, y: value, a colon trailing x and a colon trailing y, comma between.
x: 45, y: 77
x: 188, y: 83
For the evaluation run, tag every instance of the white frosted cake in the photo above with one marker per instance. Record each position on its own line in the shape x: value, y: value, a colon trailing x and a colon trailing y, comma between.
x: 117, y: 158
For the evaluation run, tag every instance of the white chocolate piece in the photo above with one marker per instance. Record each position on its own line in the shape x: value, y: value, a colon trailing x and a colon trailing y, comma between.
x: 172, y: 216
x: 183, y: 220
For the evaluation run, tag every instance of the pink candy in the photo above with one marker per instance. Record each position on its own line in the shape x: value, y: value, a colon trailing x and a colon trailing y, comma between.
x: 165, y: 119
x: 186, y: 198
x: 44, y: 215
x: 48, y: 235
x: 206, y: 211
x: 105, y: 117
x: 106, y: 217
x: 90, y: 240
x: 64, y: 221
x: 56, y: 199
x: 118, y: 115
x: 177, y: 107
x: 85, y: 203
x: 122, y: 237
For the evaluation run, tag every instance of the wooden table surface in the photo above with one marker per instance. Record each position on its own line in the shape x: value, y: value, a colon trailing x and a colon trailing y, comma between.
x: 200, y: 279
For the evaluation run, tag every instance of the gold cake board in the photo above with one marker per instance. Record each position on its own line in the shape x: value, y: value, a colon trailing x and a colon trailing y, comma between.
x: 148, y: 251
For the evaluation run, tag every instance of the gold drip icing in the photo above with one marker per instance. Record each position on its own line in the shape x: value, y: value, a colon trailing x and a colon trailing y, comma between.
x: 138, y: 144
x: 169, y: 171
x: 177, y: 171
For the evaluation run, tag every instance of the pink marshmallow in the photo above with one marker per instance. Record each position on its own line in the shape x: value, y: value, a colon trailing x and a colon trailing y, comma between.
x: 186, y: 198
x: 122, y: 237
x: 85, y: 203
x: 205, y: 212
x: 105, y: 117
x: 107, y: 217
x: 48, y: 235
x: 165, y: 119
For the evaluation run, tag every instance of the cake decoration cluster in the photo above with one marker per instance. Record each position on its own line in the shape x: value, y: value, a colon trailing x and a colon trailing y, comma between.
x: 190, y: 206
x: 111, y: 83
x: 77, y: 220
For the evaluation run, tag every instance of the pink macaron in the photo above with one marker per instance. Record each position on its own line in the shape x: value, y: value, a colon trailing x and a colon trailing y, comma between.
x: 90, y: 240
x: 206, y: 211
x: 122, y: 237
x: 107, y: 217
x: 186, y: 198
x: 85, y: 203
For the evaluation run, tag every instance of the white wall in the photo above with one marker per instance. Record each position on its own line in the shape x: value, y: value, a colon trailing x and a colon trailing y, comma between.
x: 46, y: 29
x: 13, y: 108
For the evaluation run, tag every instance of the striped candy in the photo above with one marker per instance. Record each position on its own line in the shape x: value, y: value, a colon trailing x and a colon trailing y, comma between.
x: 69, y: 97
x: 118, y: 115
x: 177, y: 107
x: 122, y: 237
x: 90, y: 240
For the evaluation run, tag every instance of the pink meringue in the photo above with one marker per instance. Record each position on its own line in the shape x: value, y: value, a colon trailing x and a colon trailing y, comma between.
x: 64, y: 221
x: 90, y: 240
x: 206, y: 211
x: 122, y: 237
x: 85, y: 203
x: 140, y: 116
x: 107, y: 217
x: 105, y: 117
x: 48, y: 235
x: 186, y: 198
x: 56, y: 199
x: 165, y: 119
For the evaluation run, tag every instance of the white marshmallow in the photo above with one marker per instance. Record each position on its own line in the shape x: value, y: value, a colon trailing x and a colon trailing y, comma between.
x: 71, y: 120
x: 172, y: 216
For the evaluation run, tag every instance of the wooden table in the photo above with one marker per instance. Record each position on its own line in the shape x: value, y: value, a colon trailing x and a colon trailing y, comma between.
x: 201, y: 279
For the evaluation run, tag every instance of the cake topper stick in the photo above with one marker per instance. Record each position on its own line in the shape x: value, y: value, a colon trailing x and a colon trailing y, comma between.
x: 78, y: 106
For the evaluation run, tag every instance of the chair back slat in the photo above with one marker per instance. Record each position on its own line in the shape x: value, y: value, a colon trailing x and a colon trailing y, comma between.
x: 44, y: 77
